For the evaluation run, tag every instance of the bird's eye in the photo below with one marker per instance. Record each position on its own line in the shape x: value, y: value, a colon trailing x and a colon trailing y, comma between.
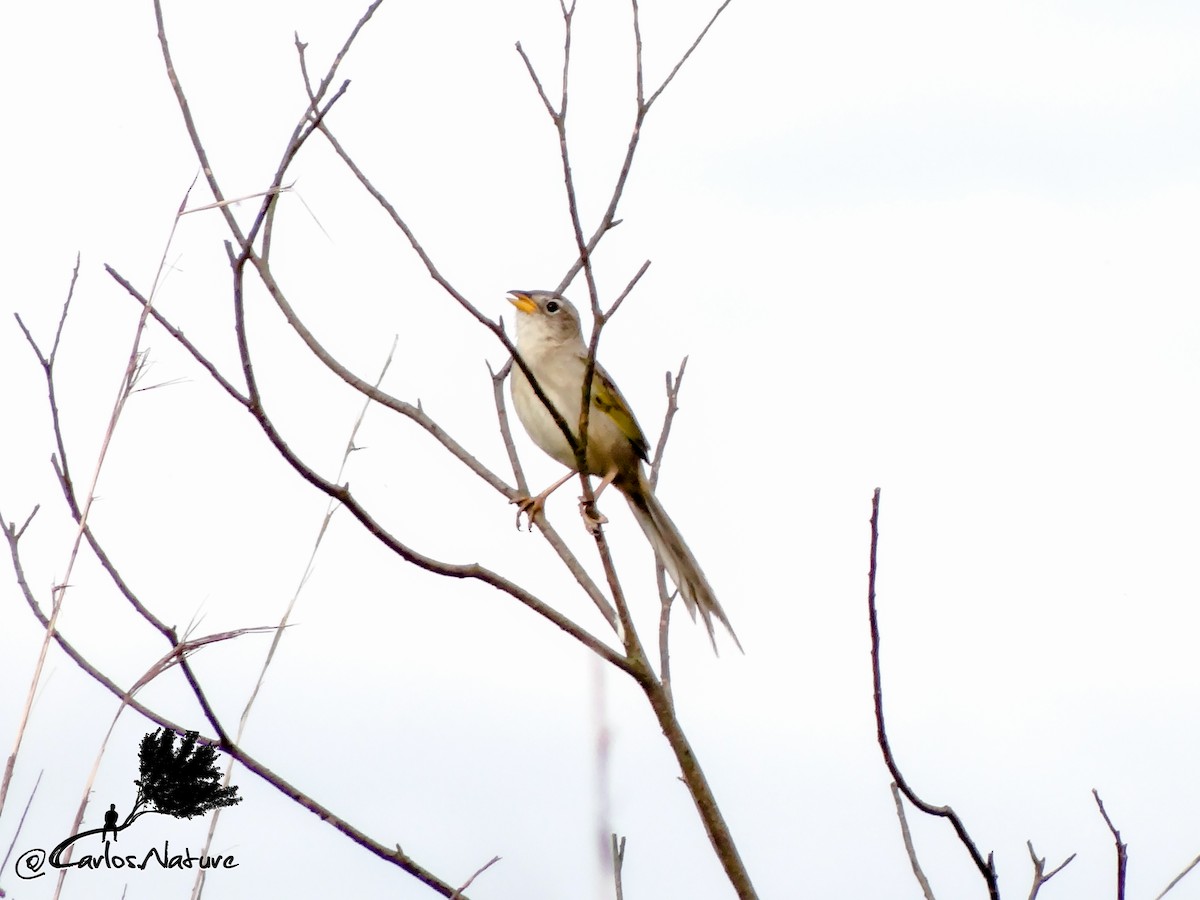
x: 553, y: 306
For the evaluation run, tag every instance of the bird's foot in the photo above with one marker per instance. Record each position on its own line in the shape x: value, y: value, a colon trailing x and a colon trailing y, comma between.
x: 592, y: 517
x: 528, y: 506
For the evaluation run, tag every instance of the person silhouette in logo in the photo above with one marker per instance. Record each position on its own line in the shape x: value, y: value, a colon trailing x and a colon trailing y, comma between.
x: 110, y: 822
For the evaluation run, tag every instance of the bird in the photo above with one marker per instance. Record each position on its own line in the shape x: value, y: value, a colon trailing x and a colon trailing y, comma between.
x: 550, y: 342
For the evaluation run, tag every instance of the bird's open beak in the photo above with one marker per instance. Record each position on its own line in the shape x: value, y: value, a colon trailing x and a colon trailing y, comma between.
x: 521, y: 301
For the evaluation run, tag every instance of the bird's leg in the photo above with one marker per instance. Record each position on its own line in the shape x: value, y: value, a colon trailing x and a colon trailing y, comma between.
x: 592, y: 517
x: 531, y: 506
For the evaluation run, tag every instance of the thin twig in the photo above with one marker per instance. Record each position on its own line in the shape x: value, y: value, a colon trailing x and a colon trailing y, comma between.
x: 618, y: 862
x: 673, y: 388
x: 625, y: 293
x: 28, y: 519
x: 1174, y: 881
x: 1040, y: 875
x: 179, y: 336
x: 690, y: 50
x: 987, y: 868
x: 78, y: 512
x: 909, y: 847
x: 665, y: 597
x: 537, y: 82
x: 21, y: 821
x: 242, y: 199
x: 1122, y: 848
x: 47, y: 363
x: 466, y: 884
x: 603, y: 736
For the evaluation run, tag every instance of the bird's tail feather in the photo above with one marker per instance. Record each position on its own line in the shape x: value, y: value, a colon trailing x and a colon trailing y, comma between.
x: 678, y: 560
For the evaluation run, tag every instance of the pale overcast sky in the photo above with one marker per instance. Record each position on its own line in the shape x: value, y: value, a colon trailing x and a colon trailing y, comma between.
x: 945, y: 249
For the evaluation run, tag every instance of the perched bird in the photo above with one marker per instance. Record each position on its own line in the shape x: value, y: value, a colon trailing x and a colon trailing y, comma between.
x: 550, y: 341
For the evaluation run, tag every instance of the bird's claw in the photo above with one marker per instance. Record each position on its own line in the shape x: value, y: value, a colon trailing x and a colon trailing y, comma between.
x: 528, y: 506
x: 592, y: 517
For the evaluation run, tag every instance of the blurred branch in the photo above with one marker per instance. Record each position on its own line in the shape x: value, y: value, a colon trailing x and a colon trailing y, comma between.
x: 21, y: 822
x: 987, y: 868
x: 1174, y: 881
x: 909, y: 848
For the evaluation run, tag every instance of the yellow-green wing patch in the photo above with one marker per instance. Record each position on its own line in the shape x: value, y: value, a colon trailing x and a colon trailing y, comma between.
x: 607, y: 399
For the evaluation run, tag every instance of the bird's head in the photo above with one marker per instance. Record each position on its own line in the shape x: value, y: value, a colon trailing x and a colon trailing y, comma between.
x: 545, y: 317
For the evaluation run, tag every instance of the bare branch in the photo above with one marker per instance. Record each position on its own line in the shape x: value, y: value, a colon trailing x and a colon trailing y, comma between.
x: 466, y: 884
x: 618, y: 862
x: 926, y: 890
x: 493, y: 326
x: 342, y: 494
x: 570, y: 560
x: 1040, y: 875
x: 625, y: 293
x: 21, y: 821
x: 178, y: 335
x: 21, y: 531
x: 217, y: 205
x: 690, y: 50
x: 987, y: 868
x: 1174, y: 881
x: 672, y: 409
x: 246, y: 253
x: 637, y: 49
x: 396, y: 857
x: 697, y: 784
x: 1122, y: 848
x: 665, y: 598
x: 537, y: 83
x: 47, y: 362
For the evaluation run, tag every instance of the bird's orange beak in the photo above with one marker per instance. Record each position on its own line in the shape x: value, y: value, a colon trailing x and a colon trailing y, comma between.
x: 521, y: 301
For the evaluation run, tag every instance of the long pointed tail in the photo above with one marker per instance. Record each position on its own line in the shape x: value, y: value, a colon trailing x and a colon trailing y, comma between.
x: 677, y: 559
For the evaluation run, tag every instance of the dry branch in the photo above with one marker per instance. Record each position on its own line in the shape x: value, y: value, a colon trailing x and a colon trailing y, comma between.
x: 987, y: 867
x: 1122, y: 848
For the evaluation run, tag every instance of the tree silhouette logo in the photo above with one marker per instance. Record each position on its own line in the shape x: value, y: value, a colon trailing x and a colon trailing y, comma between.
x: 180, y: 780
x: 183, y: 782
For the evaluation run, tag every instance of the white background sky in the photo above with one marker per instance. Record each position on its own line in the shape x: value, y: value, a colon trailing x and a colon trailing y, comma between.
x: 946, y: 249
